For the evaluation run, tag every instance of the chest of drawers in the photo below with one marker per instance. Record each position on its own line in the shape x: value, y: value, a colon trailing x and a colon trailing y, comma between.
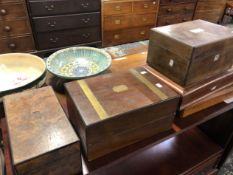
x: 210, y: 10
x: 15, y: 32
x: 127, y: 20
x: 175, y: 11
x: 61, y: 23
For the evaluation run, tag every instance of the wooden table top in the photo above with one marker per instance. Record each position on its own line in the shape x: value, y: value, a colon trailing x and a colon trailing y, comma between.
x: 141, y: 156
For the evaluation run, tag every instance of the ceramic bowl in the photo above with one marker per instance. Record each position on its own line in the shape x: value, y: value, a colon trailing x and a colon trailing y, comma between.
x: 19, y: 71
x: 78, y: 62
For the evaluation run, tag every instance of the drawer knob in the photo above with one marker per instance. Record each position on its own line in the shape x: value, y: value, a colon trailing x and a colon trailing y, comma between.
x: 12, y: 46
x: 117, y: 21
x: 53, y: 40
x: 7, y: 28
x: 184, y: 20
x: 3, y: 12
x: 144, y: 19
x: 86, y: 35
x: 118, y: 8
x: 85, y: 20
x: 146, y: 6
x: 85, y: 5
x: 50, y: 7
x: 154, y: 2
x: 169, y: 10
x: 116, y: 36
x: 52, y: 23
x: 142, y: 32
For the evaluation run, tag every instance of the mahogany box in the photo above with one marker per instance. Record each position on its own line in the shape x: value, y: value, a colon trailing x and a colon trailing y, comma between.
x: 112, y: 111
x: 202, y: 95
x: 42, y: 140
x: 190, y: 52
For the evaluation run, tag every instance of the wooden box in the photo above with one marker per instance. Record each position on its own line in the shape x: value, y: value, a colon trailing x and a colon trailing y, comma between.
x: 42, y: 139
x: 115, y: 110
x: 202, y: 95
x: 190, y: 52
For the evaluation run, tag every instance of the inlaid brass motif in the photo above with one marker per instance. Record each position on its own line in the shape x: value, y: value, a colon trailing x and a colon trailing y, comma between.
x: 120, y: 88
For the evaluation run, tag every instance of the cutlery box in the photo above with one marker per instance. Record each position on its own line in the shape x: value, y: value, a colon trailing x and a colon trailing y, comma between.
x: 112, y: 111
x: 190, y: 52
x: 42, y: 140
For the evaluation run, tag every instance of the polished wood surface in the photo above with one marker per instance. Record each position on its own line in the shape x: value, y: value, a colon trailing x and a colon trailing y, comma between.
x: 145, y: 148
x: 41, y: 137
x: 107, y: 120
x: 118, y: 20
x: 193, y: 45
x: 15, y: 29
x: 175, y: 11
x: 60, y: 23
x: 216, y: 98
x: 169, y: 157
x: 60, y: 7
x: 210, y: 10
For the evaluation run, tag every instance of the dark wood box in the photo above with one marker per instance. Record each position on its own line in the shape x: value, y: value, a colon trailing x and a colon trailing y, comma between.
x: 42, y: 140
x: 190, y: 52
x: 202, y: 95
x: 115, y: 110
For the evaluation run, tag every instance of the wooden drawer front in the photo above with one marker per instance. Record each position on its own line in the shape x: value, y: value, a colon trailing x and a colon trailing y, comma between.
x: 43, y: 8
x: 167, y: 20
x: 145, y: 6
x: 177, y: 9
x: 112, y: 8
x: 7, y: 1
x: 163, y: 2
x: 8, y: 11
x: 69, y: 37
x: 17, y: 44
x: 211, y: 16
x: 12, y: 28
x: 125, y: 36
x: 52, y: 23
x: 125, y: 21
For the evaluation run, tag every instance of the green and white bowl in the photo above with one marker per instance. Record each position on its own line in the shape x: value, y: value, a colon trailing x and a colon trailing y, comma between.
x: 20, y: 71
x: 78, y: 62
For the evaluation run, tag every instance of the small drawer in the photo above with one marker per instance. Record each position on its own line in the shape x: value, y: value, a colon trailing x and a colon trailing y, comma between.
x: 125, y: 36
x: 61, y: 22
x: 111, y: 23
x: 145, y: 6
x: 112, y: 8
x: 9, y: 11
x: 15, y: 27
x: 165, y: 2
x: 17, y: 44
x: 56, y: 7
x: 182, y: 9
x: 144, y: 20
x: 168, y: 20
x: 66, y: 38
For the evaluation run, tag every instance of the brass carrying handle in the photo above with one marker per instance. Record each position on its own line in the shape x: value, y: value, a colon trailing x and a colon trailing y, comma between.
x: 146, y: 6
x: 118, y: 7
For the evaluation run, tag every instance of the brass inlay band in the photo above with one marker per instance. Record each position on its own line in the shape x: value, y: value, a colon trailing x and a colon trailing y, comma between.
x: 147, y: 83
x: 93, y: 100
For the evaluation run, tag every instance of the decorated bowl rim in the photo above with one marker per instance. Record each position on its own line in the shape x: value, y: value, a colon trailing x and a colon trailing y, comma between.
x: 52, y: 56
x: 31, y: 82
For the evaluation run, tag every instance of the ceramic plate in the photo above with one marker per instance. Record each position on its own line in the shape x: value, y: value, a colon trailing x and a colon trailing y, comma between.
x: 18, y: 70
x: 78, y: 62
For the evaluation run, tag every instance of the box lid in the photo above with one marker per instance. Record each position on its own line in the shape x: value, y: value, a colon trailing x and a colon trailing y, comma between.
x: 37, y: 124
x: 184, y: 37
x: 110, y: 95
